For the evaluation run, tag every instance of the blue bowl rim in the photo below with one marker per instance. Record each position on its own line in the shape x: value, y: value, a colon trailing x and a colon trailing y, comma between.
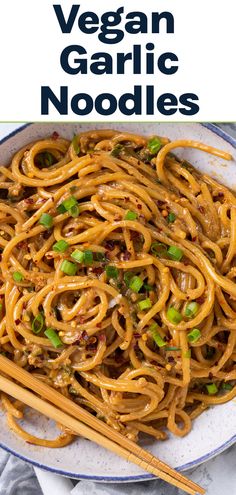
x: 145, y: 477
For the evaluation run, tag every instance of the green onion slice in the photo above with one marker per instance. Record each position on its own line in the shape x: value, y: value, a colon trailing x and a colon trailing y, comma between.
x: 53, y: 337
x: 194, y: 335
x: 128, y: 277
x: 157, y: 337
x: 173, y: 348
x: 171, y: 218
x: 227, y: 386
x: 88, y: 257
x: 159, y: 249
x: 75, y: 211
x: 145, y: 304
x: 60, y: 246
x: 78, y: 256
x: 75, y: 144
x: 154, y: 145
x: 191, y: 309
x: 68, y: 268
x: 37, y: 323
x: 135, y: 284
x: 175, y: 253
x: 17, y: 276
x: 131, y: 215
x: 112, y: 272
x: 117, y: 150
x: 173, y: 315
x: 212, y: 389
x: 46, y: 220
x: 148, y: 287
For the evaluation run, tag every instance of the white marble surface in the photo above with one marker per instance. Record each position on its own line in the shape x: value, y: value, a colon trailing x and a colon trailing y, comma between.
x: 217, y: 476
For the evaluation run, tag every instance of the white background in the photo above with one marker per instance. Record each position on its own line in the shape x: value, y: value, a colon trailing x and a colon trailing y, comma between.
x: 31, y: 43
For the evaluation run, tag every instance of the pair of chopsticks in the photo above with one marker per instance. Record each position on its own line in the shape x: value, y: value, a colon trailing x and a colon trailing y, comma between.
x: 74, y: 417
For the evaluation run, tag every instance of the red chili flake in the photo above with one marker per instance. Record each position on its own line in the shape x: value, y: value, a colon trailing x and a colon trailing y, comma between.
x: 81, y: 320
x: 210, y: 375
x: 220, y: 194
x: 109, y: 245
x: 139, y: 207
x: 134, y: 235
x: 160, y: 203
x: 22, y: 245
x: 126, y: 256
x: 24, y: 305
x: 194, y: 239
x: 97, y: 270
x: 200, y: 300
x: 102, y: 337
x: 29, y: 201
x: 201, y: 209
x: 126, y: 199
x: 99, y: 325
x: 55, y: 136
x: 17, y: 322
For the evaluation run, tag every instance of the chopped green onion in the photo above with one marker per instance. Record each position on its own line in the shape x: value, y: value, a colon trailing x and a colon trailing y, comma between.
x: 194, y: 335
x: 172, y: 348
x: 156, y: 336
x: 46, y: 220
x: 68, y: 268
x: 75, y: 211
x: 145, y: 304
x: 135, y: 284
x: 100, y: 257
x: 174, y: 316
x: 48, y: 159
x: 171, y: 218
x: 188, y: 354
x: 158, y: 249
x: 154, y: 145
x: 131, y: 215
x: 75, y: 144
x: 175, y: 253
x: 44, y: 159
x: 60, y: 246
x: 212, y: 389
x: 227, y: 386
x: 17, y: 276
x: 78, y: 256
x: 127, y: 277
x: 69, y: 203
x: 88, y: 257
x: 37, y: 324
x: 53, y: 337
x: 191, y: 309
x: 148, y: 287
x: 112, y: 272
x: 117, y: 150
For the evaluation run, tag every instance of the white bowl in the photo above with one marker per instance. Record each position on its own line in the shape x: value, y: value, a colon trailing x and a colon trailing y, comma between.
x: 215, y: 429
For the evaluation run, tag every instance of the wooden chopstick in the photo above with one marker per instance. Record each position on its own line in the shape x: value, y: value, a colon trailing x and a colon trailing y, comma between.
x: 81, y: 429
x: 21, y: 375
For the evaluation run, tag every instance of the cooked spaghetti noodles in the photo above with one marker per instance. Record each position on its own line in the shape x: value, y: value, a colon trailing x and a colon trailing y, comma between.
x: 118, y: 280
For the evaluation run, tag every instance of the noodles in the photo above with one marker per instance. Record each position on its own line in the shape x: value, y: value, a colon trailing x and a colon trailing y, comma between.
x: 118, y: 271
